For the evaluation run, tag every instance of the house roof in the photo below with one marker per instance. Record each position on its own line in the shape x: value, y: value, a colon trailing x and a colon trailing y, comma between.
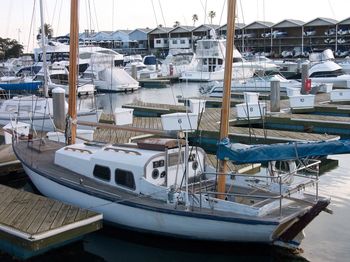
x: 259, y: 25
x: 205, y: 27
x: 144, y: 30
x: 321, y: 21
x: 182, y: 29
x: 346, y: 21
x: 238, y: 26
x: 160, y: 30
x: 288, y: 23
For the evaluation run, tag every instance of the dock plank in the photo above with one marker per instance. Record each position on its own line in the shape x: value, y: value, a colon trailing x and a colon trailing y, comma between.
x: 50, y: 217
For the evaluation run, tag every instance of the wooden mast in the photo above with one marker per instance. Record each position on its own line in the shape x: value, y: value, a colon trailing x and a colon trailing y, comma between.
x: 226, y: 99
x: 73, y: 56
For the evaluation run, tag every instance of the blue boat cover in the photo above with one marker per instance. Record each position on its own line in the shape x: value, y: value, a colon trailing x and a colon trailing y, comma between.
x: 26, y: 86
x: 241, y: 154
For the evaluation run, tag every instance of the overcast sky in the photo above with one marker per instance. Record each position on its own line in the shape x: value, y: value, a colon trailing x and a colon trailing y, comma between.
x: 17, y: 23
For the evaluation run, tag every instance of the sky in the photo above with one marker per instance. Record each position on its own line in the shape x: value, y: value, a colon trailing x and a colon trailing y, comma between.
x: 21, y: 18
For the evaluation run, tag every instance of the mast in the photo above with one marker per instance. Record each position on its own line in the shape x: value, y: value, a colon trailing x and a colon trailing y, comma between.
x: 43, y: 36
x: 73, y: 51
x: 226, y: 99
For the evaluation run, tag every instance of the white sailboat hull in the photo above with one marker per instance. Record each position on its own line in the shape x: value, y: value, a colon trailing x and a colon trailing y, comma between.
x: 151, y: 220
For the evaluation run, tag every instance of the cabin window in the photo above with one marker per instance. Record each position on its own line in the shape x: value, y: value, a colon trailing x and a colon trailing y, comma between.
x: 174, y: 41
x: 158, y: 41
x: 182, y: 41
x: 102, y: 172
x: 173, y: 158
x: 125, y: 178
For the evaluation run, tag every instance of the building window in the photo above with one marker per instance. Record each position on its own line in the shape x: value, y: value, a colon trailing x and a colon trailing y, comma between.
x: 174, y: 41
x: 165, y: 41
x: 158, y: 41
x: 182, y: 41
x: 102, y: 172
x: 125, y: 178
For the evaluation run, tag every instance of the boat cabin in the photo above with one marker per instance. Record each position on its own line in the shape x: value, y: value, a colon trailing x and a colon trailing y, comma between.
x: 143, y: 167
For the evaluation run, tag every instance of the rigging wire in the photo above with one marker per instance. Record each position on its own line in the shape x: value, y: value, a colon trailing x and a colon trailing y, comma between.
x: 97, y: 27
x: 331, y: 8
x: 154, y: 12
x: 31, y: 26
x: 59, y: 17
x: 161, y: 11
x: 222, y: 11
x: 54, y: 12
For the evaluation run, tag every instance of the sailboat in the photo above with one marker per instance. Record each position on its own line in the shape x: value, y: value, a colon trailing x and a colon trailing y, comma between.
x: 158, y: 185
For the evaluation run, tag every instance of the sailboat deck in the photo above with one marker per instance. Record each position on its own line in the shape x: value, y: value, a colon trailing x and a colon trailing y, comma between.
x: 45, y: 161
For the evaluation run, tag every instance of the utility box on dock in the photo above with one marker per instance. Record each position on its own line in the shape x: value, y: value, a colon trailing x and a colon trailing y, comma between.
x: 197, y: 106
x: 123, y: 116
x: 21, y: 129
x: 251, y: 97
x: 179, y: 121
x: 251, y: 110
x: 340, y: 95
x: 302, y: 101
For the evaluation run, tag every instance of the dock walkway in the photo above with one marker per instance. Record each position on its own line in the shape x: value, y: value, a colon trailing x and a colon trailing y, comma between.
x: 31, y: 224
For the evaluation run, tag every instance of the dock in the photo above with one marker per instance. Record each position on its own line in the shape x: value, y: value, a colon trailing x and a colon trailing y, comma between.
x: 31, y: 224
x: 8, y: 161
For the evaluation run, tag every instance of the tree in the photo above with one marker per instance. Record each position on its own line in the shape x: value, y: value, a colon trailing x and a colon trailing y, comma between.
x: 194, y: 19
x: 48, y: 31
x: 160, y: 25
x: 211, y: 15
x: 176, y: 23
x: 10, y: 48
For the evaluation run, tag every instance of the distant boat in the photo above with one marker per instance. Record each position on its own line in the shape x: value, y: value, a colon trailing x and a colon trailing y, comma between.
x: 323, y: 69
x: 209, y: 63
x: 37, y: 111
x: 177, y: 62
x: 255, y: 84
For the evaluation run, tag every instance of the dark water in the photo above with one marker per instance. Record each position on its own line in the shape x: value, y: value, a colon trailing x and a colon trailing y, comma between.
x: 327, y: 237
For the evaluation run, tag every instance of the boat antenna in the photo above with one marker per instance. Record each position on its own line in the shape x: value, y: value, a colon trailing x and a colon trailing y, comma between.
x: 226, y: 98
x: 73, y: 51
x: 43, y: 36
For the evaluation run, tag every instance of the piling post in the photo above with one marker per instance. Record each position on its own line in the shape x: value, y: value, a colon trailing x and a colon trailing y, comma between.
x: 59, y: 102
x: 134, y: 71
x: 275, y: 96
x: 304, y: 77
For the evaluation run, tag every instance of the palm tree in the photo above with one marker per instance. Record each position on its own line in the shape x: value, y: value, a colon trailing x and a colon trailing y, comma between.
x: 48, y: 31
x: 176, y: 23
x: 194, y: 19
x: 211, y: 15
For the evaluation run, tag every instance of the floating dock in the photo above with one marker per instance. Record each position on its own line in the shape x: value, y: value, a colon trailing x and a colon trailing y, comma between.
x: 31, y: 224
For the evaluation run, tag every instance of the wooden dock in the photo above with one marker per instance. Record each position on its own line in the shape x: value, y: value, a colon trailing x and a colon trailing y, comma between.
x: 8, y: 161
x: 31, y: 224
x: 208, y: 132
x: 154, y: 110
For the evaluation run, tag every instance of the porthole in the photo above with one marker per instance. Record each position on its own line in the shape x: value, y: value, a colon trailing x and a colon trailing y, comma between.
x: 162, y: 174
x: 155, y: 173
x: 194, y: 165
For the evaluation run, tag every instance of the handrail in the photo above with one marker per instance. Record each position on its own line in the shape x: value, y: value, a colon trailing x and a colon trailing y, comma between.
x: 78, y: 149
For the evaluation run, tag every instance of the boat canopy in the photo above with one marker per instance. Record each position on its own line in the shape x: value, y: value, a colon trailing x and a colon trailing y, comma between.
x: 241, y: 154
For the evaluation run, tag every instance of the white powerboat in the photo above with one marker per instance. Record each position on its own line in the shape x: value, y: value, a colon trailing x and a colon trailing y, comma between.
x: 255, y: 84
x: 323, y: 69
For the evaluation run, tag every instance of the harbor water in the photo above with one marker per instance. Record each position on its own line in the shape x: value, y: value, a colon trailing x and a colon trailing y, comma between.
x: 327, y: 237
